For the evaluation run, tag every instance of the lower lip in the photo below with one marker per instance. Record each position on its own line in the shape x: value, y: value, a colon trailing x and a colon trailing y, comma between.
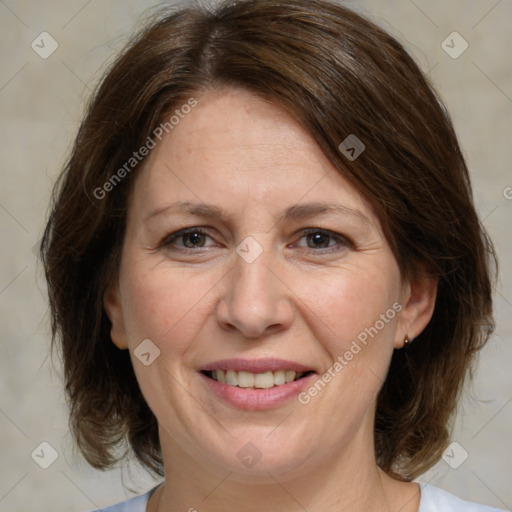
x: 252, y: 399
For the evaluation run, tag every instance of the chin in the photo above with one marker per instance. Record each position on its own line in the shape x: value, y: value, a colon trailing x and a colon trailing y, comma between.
x: 253, y: 454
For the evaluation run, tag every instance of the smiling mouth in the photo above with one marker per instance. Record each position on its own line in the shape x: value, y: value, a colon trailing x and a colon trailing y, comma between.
x: 264, y: 380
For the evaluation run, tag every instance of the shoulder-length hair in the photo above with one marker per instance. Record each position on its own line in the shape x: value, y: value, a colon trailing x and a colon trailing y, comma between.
x: 337, y: 74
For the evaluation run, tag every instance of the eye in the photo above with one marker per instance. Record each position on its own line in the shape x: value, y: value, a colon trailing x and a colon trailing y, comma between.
x: 322, y: 239
x: 319, y: 240
x: 190, y: 238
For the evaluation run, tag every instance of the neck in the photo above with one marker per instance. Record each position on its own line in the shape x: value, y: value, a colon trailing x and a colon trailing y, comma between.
x: 348, y: 481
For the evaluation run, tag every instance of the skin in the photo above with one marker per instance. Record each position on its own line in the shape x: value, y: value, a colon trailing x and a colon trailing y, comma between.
x: 300, y: 300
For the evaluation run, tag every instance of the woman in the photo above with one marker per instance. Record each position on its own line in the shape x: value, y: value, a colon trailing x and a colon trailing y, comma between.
x: 265, y: 267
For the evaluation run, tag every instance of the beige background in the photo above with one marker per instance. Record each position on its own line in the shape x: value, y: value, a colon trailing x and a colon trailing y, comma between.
x: 41, y: 102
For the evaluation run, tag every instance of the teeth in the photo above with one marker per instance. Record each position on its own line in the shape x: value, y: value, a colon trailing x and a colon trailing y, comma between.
x: 289, y: 375
x: 263, y: 380
x: 279, y: 377
x: 231, y: 378
x: 245, y: 380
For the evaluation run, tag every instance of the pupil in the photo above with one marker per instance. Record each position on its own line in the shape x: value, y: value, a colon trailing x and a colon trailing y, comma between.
x: 319, y: 240
x: 193, y: 240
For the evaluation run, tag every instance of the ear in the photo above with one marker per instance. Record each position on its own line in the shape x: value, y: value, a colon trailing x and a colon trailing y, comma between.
x: 418, y: 301
x: 112, y: 305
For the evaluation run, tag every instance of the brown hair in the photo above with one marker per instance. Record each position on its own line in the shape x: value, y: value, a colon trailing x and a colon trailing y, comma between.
x: 337, y: 74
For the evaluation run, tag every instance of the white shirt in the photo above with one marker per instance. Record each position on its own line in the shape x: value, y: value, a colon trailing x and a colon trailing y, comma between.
x: 432, y: 499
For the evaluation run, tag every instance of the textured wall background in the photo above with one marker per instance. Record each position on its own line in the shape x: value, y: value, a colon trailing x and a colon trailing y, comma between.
x: 41, y: 102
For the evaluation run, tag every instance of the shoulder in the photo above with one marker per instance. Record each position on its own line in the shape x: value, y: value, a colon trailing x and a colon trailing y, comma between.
x: 434, y: 499
x: 136, y: 504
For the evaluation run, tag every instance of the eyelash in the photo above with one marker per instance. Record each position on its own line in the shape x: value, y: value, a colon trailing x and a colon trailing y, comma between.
x: 341, y: 240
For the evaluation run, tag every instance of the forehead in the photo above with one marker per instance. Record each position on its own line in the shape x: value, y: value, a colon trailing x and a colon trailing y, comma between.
x: 236, y: 149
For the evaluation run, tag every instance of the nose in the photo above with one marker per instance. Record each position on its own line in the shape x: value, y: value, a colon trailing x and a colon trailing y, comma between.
x: 255, y: 301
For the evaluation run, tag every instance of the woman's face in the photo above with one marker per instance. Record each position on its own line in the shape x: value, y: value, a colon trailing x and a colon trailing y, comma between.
x: 282, y: 271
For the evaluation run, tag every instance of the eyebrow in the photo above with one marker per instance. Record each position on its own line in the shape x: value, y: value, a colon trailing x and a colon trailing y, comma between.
x: 198, y: 209
x: 294, y: 213
x: 308, y: 210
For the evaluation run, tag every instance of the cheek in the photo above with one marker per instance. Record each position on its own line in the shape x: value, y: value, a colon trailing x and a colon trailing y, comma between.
x: 349, y: 301
x: 353, y: 315
x: 169, y: 308
x: 164, y: 305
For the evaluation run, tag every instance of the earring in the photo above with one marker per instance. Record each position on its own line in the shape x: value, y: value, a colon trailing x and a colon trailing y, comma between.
x: 406, y: 340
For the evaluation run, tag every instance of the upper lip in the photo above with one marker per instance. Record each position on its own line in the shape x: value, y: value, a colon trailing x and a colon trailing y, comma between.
x: 256, y: 365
